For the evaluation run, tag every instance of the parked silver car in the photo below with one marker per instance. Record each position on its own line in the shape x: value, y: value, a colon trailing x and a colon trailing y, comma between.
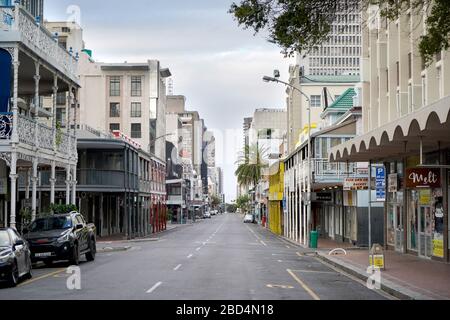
x: 15, y: 257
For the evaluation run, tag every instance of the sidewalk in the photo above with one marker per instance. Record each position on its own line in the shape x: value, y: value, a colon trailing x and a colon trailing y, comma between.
x: 406, y: 276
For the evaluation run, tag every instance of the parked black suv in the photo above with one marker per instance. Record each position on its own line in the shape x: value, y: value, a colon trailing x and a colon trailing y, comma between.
x: 61, y: 237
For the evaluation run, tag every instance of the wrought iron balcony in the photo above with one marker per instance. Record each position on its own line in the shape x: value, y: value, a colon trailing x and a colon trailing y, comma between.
x: 37, y: 135
x: 37, y: 38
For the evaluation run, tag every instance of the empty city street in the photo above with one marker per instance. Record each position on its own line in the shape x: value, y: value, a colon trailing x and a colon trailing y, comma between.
x: 217, y: 259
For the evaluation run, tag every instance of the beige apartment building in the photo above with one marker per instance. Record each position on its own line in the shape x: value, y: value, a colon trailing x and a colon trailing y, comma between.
x: 406, y: 116
x: 313, y: 87
x: 125, y: 97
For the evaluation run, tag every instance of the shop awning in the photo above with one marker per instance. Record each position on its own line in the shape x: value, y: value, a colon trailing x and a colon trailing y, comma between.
x: 428, y: 126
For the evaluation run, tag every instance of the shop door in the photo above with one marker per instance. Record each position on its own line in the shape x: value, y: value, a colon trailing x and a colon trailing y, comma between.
x: 425, y: 237
x: 399, y: 229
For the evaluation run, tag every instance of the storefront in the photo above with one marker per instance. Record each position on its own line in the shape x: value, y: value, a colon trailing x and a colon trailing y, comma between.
x: 415, y: 208
x: 395, y: 232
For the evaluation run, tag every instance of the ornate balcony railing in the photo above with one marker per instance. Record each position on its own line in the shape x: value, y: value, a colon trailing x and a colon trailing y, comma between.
x: 37, y: 38
x: 28, y: 130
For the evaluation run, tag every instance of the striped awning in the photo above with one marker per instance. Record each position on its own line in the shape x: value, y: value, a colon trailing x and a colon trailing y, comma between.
x: 428, y: 126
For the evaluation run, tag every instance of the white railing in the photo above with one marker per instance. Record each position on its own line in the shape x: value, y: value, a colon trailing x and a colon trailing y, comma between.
x: 28, y: 130
x: 45, y: 137
x: 37, y: 38
x: 326, y: 170
x: 6, y: 18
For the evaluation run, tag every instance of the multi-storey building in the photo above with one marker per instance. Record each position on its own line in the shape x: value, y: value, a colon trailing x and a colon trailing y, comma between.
x: 33, y: 66
x: 406, y: 127
x: 338, y: 207
x: 320, y: 91
x: 126, y: 97
x: 340, y: 54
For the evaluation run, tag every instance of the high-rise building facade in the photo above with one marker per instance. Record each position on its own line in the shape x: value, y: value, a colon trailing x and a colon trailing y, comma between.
x: 340, y: 54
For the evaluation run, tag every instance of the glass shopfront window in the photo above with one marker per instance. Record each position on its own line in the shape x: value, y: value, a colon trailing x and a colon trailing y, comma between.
x: 413, y: 220
x: 395, y: 226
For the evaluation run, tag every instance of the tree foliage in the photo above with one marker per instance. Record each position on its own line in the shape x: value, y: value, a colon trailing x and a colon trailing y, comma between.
x: 62, y: 208
x: 215, y: 201
x: 251, y: 163
x: 244, y: 203
x: 301, y: 25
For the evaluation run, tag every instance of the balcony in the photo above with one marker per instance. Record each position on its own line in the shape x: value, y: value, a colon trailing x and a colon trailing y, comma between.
x: 20, y: 26
x: 34, y: 135
x: 325, y: 171
x: 88, y: 178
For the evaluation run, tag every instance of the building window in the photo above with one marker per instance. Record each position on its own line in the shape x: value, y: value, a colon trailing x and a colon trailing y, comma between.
x: 409, y: 65
x: 136, y: 86
x: 136, y: 110
x: 114, y: 110
x: 61, y: 99
x: 424, y: 91
x: 114, y: 127
x: 398, y: 73
x: 136, y: 131
x: 439, y: 81
x: 316, y: 101
x: 61, y: 116
x: 114, y: 86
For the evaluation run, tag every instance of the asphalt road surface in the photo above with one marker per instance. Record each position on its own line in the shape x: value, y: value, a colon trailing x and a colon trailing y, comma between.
x: 217, y: 259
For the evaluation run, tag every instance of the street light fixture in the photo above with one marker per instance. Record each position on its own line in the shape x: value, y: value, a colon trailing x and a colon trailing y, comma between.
x: 309, y: 203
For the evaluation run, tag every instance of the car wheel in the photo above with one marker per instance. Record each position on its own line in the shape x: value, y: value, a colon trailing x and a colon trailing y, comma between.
x: 90, y: 256
x: 75, y: 256
x: 14, y: 277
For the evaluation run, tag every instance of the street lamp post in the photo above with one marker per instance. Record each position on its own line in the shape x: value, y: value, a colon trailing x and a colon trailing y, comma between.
x: 309, y: 190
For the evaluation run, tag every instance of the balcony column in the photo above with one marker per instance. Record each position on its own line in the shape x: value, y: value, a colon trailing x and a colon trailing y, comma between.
x: 55, y: 94
x: 52, y: 182
x: 68, y: 182
x: 74, y: 185
x: 36, y: 102
x: 34, y: 179
x: 27, y: 186
x: 15, y: 108
x: 13, y: 176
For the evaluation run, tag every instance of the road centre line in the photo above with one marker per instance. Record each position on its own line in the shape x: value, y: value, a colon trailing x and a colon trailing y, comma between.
x: 190, y: 256
x: 304, y: 286
x: 154, y: 287
x: 265, y: 245
x: 198, y: 249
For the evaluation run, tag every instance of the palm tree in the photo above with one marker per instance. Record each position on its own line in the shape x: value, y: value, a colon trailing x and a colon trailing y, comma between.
x: 251, y: 164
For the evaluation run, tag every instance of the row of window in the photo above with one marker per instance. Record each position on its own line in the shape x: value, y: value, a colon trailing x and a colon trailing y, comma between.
x: 347, y: 62
x: 336, y: 51
x: 115, y: 86
x: 136, y: 129
x: 334, y: 71
x: 136, y: 110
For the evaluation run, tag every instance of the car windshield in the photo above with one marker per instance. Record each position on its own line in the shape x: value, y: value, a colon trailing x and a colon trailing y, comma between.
x: 4, y: 239
x: 51, y: 223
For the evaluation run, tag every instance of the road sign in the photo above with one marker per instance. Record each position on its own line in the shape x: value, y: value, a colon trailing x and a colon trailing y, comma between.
x: 380, y: 184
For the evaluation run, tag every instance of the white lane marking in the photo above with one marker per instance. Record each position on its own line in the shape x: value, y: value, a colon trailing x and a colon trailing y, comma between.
x: 190, y: 256
x: 280, y: 261
x: 154, y: 287
x: 198, y: 249
x: 177, y: 267
x: 265, y: 245
x: 288, y: 247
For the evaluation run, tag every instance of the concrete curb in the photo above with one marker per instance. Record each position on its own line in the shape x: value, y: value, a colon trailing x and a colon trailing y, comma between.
x: 387, y: 286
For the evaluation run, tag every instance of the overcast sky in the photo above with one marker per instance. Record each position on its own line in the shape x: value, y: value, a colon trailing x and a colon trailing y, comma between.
x: 214, y: 63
